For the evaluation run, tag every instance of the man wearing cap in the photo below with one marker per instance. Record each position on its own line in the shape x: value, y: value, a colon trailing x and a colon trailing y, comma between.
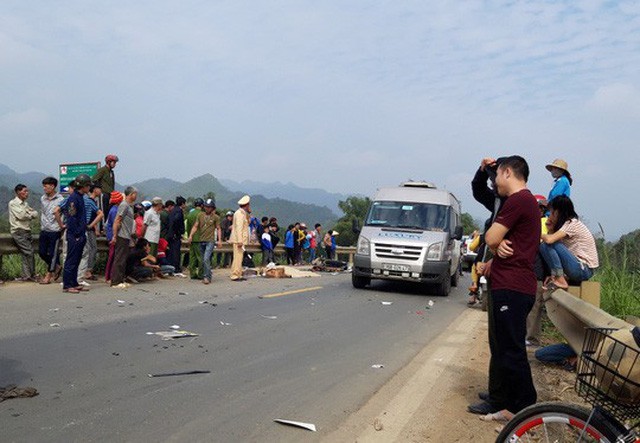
x: 151, y: 224
x: 107, y: 179
x: 76, y: 225
x: 207, y: 226
x: 20, y: 216
x: 240, y: 236
x: 562, y: 179
x: 195, y: 254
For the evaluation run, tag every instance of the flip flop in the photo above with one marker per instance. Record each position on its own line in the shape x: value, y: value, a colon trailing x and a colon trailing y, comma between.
x: 71, y: 290
x: 82, y: 289
x: 501, y: 416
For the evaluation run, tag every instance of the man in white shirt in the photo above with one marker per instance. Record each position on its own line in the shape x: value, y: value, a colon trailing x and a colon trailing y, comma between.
x: 20, y: 216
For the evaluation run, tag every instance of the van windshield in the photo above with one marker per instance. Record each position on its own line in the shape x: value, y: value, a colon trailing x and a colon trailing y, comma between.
x: 424, y: 216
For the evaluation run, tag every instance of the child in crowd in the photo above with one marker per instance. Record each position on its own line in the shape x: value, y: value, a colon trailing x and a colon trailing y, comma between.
x: 267, y: 246
x: 165, y: 267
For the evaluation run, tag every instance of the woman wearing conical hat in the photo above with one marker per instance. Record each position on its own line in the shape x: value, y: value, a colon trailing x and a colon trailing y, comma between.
x: 563, y: 181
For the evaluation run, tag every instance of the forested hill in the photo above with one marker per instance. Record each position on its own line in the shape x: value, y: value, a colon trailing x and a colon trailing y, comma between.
x: 285, y: 210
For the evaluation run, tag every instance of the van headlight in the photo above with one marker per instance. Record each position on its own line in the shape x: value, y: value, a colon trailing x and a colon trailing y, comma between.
x: 364, y: 246
x: 435, y: 252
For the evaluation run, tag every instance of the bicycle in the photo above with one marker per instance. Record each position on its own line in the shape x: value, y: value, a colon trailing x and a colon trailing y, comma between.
x: 603, y: 382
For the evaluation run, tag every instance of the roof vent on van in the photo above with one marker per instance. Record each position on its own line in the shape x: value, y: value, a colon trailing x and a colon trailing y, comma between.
x: 418, y: 184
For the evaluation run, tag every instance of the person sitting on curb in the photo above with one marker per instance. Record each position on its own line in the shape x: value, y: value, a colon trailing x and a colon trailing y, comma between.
x: 570, y: 249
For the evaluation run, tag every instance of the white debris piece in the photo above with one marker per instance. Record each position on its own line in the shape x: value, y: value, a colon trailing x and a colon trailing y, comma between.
x: 54, y: 325
x: 386, y: 303
x: 176, y: 327
x: 299, y: 424
x: 270, y: 317
x: 377, y: 366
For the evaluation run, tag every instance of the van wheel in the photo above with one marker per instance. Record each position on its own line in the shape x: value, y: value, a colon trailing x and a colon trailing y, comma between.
x: 455, y: 278
x: 444, y: 288
x: 359, y: 282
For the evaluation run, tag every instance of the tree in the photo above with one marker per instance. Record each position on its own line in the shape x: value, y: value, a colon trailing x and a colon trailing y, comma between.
x: 354, y: 208
x: 468, y: 224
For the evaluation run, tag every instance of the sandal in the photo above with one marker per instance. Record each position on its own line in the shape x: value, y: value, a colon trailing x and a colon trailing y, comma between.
x: 501, y: 416
x: 82, y: 288
x: 71, y: 290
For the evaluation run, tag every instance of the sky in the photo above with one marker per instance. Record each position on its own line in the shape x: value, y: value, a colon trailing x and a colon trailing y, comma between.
x: 347, y: 96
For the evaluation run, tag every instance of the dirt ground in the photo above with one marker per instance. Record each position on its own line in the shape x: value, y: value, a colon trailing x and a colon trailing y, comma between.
x: 427, y: 400
x: 451, y: 422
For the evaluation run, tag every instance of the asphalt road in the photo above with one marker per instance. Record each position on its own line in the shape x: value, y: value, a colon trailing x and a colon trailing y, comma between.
x: 312, y: 363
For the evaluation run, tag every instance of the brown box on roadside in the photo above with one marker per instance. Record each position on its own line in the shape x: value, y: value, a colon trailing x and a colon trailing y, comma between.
x: 588, y: 291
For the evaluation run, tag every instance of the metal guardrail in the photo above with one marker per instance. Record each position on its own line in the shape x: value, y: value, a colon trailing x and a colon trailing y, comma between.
x: 571, y: 315
x: 8, y: 247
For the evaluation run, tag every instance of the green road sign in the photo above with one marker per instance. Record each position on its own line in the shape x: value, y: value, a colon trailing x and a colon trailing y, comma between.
x: 69, y: 171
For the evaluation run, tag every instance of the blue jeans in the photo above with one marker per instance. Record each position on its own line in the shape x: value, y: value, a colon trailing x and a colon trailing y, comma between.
x: 207, y: 252
x: 312, y: 254
x: 558, y: 353
x: 561, y: 261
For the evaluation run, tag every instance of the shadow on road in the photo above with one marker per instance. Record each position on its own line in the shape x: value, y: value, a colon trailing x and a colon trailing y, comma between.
x: 10, y: 372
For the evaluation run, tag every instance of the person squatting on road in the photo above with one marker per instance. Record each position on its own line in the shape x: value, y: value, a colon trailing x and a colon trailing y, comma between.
x: 514, y: 236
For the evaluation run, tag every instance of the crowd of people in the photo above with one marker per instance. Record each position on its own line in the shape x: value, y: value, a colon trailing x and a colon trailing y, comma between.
x: 530, y: 244
x: 145, y: 238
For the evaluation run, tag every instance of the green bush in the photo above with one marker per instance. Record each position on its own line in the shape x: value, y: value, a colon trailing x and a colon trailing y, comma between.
x: 619, y: 283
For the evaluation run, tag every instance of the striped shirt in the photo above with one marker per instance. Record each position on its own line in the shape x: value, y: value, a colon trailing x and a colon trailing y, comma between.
x: 580, y: 242
x: 90, y: 208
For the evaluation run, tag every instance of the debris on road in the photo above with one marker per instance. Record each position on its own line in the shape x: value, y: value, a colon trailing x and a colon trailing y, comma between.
x: 54, y: 310
x: 12, y: 391
x: 386, y: 303
x: 298, y: 424
x: 183, y: 293
x: 170, y: 335
x: 377, y: 366
x: 225, y: 324
x: 176, y: 327
x: 175, y: 374
x: 54, y: 325
x: 430, y: 304
x: 270, y: 317
x: 377, y: 425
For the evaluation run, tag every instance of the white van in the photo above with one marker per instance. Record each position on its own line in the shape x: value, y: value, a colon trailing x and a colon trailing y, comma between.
x: 411, y: 233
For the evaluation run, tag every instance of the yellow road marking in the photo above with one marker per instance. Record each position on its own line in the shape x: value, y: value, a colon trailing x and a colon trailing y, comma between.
x: 296, y: 291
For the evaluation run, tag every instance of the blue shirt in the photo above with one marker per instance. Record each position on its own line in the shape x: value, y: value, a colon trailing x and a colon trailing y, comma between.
x: 561, y: 187
x: 91, y: 208
x: 110, y: 219
x: 288, y: 239
x: 76, y: 215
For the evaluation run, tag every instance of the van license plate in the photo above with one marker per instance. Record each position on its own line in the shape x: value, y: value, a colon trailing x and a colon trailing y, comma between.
x: 394, y: 267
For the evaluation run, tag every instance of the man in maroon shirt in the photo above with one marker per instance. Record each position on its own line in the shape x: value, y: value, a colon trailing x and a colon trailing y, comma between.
x: 514, y: 237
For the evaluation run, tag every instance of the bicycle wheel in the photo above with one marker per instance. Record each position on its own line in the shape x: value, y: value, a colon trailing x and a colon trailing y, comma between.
x: 557, y: 422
